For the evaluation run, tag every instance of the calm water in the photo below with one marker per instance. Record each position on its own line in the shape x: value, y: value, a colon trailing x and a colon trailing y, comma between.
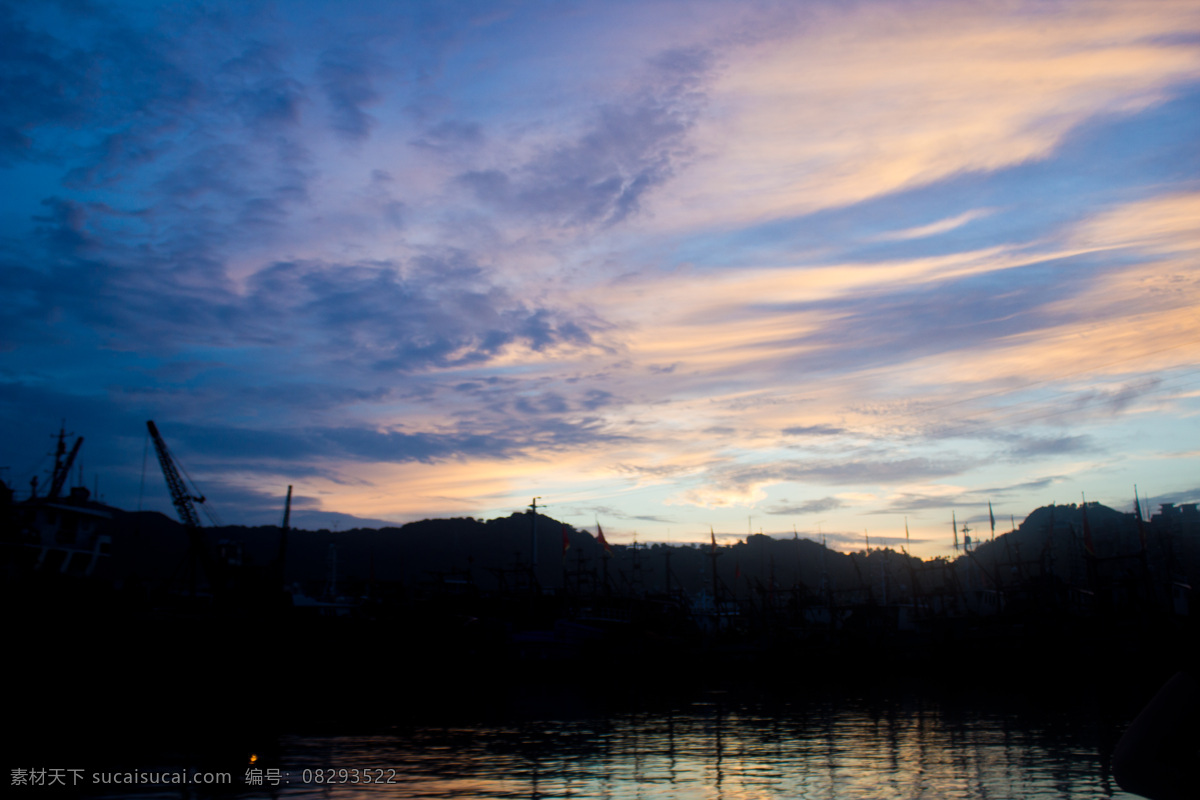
x: 712, y: 747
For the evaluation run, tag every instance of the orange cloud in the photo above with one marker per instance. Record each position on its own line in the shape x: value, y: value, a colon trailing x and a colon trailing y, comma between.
x: 856, y: 104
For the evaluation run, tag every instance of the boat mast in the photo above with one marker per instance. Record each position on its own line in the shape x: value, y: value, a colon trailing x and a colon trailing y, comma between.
x: 62, y: 468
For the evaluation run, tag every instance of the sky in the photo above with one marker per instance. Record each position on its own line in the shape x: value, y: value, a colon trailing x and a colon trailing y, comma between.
x: 826, y: 269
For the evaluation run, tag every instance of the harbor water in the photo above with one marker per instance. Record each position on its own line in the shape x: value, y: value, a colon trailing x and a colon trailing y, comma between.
x: 712, y: 745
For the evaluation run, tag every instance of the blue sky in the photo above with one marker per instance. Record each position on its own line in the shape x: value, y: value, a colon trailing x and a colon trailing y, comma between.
x: 816, y: 267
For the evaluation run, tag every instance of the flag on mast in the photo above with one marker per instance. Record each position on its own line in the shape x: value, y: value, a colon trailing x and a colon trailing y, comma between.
x: 1137, y: 510
x: 954, y: 526
x: 906, y: 542
x: 603, y: 542
x: 992, y: 517
x: 713, y: 534
x: 566, y: 540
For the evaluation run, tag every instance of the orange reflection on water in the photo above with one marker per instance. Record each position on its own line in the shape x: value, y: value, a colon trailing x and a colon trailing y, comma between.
x: 904, y: 750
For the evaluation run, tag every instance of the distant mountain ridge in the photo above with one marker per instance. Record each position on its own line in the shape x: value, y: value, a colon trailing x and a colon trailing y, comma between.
x: 353, y: 561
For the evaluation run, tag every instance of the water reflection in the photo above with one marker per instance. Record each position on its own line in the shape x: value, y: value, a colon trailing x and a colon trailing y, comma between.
x: 719, y: 749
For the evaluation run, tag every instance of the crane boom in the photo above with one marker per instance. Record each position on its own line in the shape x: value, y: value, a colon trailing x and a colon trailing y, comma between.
x: 198, y: 554
x: 179, y: 495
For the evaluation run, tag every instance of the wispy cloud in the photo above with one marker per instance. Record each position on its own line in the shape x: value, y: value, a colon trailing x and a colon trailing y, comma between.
x: 807, y: 507
x: 937, y: 89
x: 602, y: 174
x: 933, y: 228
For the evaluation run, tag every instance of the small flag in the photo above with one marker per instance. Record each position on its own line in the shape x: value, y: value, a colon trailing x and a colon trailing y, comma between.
x: 565, y: 539
x: 603, y: 542
x: 954, y: 526
x: 992, y: 517
x: 713, y: 534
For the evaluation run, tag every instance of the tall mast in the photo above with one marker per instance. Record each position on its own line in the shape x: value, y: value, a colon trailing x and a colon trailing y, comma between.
x: 713, y: 556
x: 62, y: 468
x: 533, y: 532
x: 283, y: 534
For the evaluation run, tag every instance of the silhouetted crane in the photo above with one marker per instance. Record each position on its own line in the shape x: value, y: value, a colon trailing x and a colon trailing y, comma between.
x: 197, y: 549
x: 179, y: 494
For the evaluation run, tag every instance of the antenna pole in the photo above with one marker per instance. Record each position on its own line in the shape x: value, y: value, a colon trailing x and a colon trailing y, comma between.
x: 533, y: 532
